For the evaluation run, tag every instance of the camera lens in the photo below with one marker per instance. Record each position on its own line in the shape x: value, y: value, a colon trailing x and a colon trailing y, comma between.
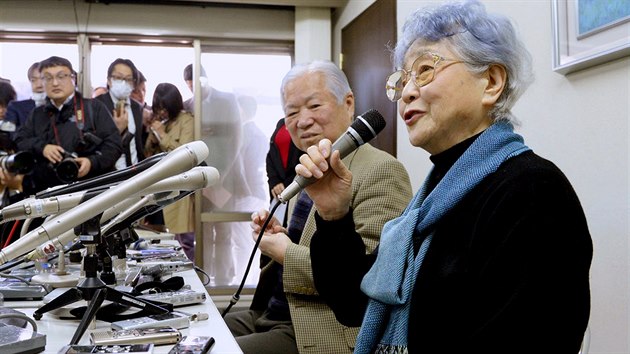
x: 21, y: 162
x: 67, y: 170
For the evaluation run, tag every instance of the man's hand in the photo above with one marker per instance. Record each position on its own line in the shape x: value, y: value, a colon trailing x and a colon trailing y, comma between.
x: 121, y: 120
x: 54, y: 153
x: 274, y: 240
x: 277, y: 189
x: 258, y: 219
x: 274, y: 245
x: 84, y: 166
x: 333, y: 192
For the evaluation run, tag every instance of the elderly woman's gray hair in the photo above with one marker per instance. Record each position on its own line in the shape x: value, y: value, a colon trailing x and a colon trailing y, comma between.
x: 478, y: 38
x: 336, y: 80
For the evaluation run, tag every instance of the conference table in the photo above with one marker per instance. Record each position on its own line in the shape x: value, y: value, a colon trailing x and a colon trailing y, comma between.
x: 59, y: 332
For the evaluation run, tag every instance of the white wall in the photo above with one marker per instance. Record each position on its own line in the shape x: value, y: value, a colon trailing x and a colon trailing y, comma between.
x: 580, y: 122
x: 313, y: 28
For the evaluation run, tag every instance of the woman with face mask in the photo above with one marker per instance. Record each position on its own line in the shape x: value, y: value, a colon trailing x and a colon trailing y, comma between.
x: 172, y: 127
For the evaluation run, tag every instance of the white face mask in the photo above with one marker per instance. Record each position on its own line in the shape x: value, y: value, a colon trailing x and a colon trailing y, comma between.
x: 120, y: 89
x: 39, y: 98
x: 205, y: 87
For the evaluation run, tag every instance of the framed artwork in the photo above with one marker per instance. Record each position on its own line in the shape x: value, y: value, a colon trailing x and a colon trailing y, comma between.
x: 589, y: 32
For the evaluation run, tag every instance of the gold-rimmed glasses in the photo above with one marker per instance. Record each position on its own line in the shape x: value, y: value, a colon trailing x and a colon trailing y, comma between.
x: 423, y: 71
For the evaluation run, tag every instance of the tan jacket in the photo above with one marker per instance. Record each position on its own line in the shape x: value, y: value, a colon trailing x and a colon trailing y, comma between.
x: 179, y: 216
x: 380, y: 192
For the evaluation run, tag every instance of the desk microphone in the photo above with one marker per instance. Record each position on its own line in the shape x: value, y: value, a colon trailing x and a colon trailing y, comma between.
x: 196, y: 178
x: 363, y: 129
x: 179, y: 160
x: 103, y: 180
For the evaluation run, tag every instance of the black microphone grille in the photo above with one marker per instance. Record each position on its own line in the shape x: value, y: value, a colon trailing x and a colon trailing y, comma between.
x: 375, y: 123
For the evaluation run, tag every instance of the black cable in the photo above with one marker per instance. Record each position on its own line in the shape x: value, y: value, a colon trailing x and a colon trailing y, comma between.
x: 199, y: 270
x: 237, y: 294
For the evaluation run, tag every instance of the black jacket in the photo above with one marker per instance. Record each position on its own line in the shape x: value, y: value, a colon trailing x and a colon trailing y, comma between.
x: 97, y: 139
x: 275, y: 171
x: 139, y: 137
x: 507, y: 270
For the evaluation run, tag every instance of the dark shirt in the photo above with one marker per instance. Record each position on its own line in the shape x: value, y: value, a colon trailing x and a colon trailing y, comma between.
x: 18, y: 112
x: 507, y: 270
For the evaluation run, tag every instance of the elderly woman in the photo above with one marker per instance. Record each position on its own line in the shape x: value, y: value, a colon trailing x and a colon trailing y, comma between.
x: 493, y: 253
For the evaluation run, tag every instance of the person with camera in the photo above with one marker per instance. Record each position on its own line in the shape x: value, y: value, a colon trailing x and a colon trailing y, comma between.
x: 71, y: 137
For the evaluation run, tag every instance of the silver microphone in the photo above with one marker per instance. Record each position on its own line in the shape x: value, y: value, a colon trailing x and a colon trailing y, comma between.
x: 179, y: 160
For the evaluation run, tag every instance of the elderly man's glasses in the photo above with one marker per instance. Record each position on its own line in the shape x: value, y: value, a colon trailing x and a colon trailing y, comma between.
x: 422, y: 72
x: 61, y: 77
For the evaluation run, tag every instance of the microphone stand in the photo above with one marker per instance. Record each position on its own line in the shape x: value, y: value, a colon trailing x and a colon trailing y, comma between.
x: 93, y: 289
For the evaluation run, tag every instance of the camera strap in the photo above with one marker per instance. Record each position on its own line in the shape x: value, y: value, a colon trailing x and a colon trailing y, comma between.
x: 79, y: 119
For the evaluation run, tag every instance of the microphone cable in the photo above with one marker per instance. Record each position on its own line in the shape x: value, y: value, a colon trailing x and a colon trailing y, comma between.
x: 237, y: 294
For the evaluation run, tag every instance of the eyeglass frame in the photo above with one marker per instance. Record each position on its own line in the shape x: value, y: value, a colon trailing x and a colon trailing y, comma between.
x: 60, y: 77
x: 437, y: 58
x: 130, y: 80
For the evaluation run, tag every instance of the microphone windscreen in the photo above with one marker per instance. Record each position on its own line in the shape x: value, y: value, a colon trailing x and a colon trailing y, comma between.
x: 199, y: 149
x: 375, y: 123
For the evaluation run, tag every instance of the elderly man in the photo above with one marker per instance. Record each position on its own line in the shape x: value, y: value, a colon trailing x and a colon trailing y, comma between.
x: 67, y: 126
x: 287, y: 315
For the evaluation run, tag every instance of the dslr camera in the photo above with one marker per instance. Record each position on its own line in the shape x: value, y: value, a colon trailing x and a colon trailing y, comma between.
x: 67, y: 169
x: 21, y: 162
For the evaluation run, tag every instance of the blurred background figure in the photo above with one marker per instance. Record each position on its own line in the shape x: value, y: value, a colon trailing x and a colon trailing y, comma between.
x: 10, y: 189
x: 171, y: 128
x: 253, y: 192
x: 139, y: 94
x: 221, y: 130
x: 7, y: 94
x: 18, y: 111
x: 281, y: 159
x: 99, y: 90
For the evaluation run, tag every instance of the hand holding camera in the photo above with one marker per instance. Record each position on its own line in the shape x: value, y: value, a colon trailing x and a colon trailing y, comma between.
x: 66, y: 168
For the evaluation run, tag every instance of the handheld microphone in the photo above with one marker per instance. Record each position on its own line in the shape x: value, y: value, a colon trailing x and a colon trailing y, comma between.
x: 363, y: 129
x: 194, y: 179
x: 179, y: 160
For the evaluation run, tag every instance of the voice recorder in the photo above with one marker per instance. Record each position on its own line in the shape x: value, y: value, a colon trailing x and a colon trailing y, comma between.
x: 173, y: 319
x: 155, y: 335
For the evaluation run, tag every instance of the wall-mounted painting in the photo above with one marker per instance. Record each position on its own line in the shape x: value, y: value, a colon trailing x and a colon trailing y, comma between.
x: 589, y: 32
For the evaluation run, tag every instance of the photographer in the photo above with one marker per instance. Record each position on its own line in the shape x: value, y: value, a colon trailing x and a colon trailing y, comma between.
x: 67, y: 128
x: 11, y: 177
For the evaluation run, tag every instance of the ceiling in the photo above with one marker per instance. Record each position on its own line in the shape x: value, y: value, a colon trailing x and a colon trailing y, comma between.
x: 232, y: 3
x: 306, y: 3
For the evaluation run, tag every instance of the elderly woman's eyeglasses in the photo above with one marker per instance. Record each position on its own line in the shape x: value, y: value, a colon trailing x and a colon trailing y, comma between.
x: 422, y: 72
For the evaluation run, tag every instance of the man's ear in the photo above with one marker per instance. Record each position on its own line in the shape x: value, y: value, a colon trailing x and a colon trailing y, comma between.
x: 497, y: 79
x: 349, y: 102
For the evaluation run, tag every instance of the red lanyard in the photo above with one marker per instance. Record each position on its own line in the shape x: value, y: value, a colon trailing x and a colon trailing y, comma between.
x: 78, y: 113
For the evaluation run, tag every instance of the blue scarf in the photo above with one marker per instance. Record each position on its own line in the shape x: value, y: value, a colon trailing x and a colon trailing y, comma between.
x: 389, y: 283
